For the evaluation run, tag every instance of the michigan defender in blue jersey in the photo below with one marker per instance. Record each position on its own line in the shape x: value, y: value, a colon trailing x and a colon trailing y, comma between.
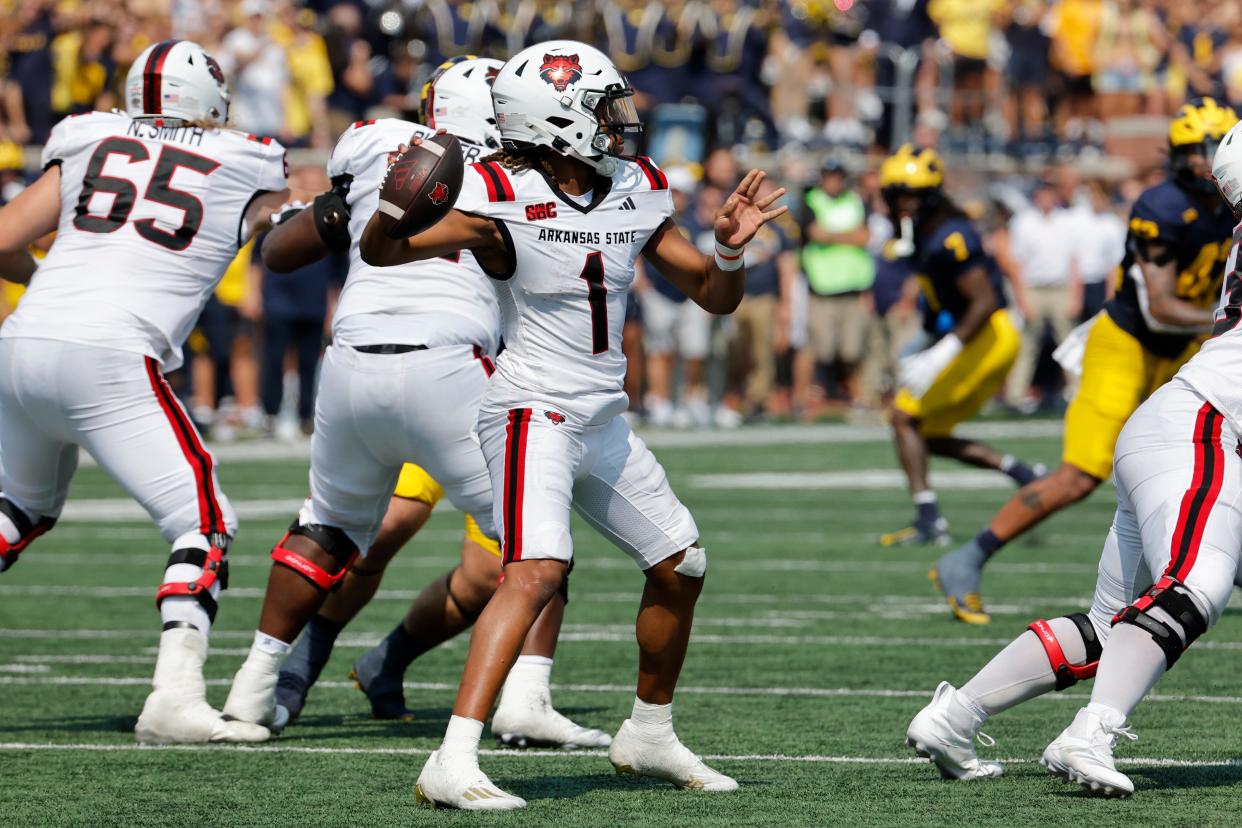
x: 972, y: 340
x: 1167, y: 284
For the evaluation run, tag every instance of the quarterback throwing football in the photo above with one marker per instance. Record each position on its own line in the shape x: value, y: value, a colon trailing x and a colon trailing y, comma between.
x: 558, y: 220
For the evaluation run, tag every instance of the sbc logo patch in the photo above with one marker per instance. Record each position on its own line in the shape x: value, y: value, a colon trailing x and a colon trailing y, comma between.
x: 439, y: 193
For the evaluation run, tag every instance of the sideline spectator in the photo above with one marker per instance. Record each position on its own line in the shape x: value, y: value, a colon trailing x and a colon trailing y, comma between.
x: 763, y: 317
x: 1099, y: 247
x: 838, y: 270
x: 1074, y: 25
x: 673, y: 326
x: 1042, y: 240
x: 310, y: 75
x: 1125, y: 57
x: 259, y: 71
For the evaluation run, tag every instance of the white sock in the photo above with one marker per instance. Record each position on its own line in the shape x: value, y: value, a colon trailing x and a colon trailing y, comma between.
x: 925, y: 496
x: 462, y: 735
x: 267, y: 645
x: 184, y: 608
x: 1131, y: 665
x: 652, y: 720
x: 1007, y: 462
x: 1021, y: 671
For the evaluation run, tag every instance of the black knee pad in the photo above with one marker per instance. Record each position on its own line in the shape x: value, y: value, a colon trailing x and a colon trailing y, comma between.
x: 1170, y: 596
x: 332, y: 540
x: 215, y: 568
x: 27, y: 530
x: 1068, y: 674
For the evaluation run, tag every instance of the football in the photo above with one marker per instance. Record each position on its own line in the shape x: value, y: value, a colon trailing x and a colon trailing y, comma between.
x: 421, y: 186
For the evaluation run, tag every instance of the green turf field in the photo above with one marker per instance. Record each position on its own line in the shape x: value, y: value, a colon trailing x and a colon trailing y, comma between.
x: 813, y: 648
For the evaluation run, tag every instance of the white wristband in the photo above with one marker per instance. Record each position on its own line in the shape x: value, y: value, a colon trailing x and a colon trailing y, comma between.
x: 730, y: 258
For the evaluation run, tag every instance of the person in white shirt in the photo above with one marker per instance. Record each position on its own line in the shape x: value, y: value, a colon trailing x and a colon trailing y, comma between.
x: 1099, y: 246
x: 260, y: 70
x: 1042, y: 240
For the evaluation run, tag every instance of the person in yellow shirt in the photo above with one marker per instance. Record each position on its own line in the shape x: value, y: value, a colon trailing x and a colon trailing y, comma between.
x: 1074, y: 28
x: 310, y: 78
x: 966, y: 27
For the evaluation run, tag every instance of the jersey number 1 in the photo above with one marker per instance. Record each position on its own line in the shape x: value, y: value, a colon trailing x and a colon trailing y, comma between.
x: 125, y: 193
x: 597, y: 297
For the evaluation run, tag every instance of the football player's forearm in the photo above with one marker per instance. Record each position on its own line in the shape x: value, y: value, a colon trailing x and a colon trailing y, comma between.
x: 1169, y: 310
x: 722, y: 290
x: 294, y: 244
x: 380, y: 251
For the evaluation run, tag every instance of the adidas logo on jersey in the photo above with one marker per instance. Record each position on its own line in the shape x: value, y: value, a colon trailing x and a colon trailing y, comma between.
x: 628, y: 204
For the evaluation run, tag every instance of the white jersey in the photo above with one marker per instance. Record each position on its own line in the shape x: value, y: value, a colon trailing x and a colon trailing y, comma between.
x: 434, y: 303
x: 150, y: 218
x: 1216, y: 371
x: 563, y: 295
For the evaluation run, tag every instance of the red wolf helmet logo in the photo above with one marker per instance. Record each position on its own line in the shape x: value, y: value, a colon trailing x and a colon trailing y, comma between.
x: 439, y: 193
x: 217, y: 74
x: 555, y: 417
x: 492, y: 72
x: 560, y: 70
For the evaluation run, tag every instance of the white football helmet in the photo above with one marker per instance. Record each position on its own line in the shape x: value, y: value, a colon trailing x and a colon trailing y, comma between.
x: 176, y: 79
x: 1227, y: 169
x: 458, y: 99
x: 567, y: 96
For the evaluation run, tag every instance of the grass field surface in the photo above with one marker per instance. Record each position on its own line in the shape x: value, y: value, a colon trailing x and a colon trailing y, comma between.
x: 812, y: 649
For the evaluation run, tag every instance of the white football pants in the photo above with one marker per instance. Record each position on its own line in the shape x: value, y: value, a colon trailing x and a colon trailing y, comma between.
x: 376, y: 412
x: 57, y: 397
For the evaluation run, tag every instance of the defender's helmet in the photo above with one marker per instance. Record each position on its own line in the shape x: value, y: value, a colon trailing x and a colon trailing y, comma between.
x: 1197, y: 129
x: 458, y: 99
x: 177, y: 80
x: 911, y: 171
x: 1227, y: 169
x: 567, y: 96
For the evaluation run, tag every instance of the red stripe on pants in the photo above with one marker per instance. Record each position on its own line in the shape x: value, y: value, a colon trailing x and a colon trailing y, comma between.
x: 515, y: 482
x: 211, y: 516
x: 1199, y: 499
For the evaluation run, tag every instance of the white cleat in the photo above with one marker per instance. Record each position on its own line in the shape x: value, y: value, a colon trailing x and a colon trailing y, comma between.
x: 526, y: 718
x: 252, y: 698
x: 1083, y: 753
x: 456, y: 781
x: 933, y: 737
x: 667, y: 759
x: 176, y: 711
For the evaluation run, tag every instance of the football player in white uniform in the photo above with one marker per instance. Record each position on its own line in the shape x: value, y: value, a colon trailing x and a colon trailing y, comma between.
x: 402, y: 381
x: 558, y: 221
x: 1166, y: 572
x: 150, y: 206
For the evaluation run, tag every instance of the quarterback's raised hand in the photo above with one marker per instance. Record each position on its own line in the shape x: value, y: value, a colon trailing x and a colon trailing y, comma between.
x: 744, y: 212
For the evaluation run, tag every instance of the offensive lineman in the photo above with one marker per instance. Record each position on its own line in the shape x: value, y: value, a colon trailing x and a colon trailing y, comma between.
x: 448, y: 305
x: 947, y: 382
x: 1178, y: 240
x: 1178, y: 524
x: 149, y: 208
x: 558, y: 220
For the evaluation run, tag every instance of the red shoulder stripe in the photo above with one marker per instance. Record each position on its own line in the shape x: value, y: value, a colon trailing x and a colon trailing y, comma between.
x: 655, y: 177
x: 488, y: 180
x: 502, y: 177
x: 262, y: 139
x: 358, y: 124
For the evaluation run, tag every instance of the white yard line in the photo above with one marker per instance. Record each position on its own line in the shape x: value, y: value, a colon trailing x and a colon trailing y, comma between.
x: 855, y: 480
x: 1135, y: 761
x: 608, y: 633
x: 438, y: 686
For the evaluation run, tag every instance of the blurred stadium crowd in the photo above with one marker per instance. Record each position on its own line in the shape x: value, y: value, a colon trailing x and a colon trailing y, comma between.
x: 1028, y: 91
